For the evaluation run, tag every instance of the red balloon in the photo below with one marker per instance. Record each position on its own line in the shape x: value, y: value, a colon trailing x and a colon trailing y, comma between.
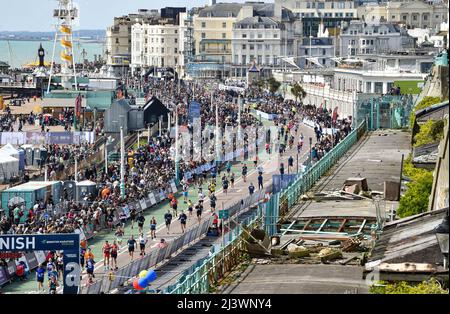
x: 136, y: 285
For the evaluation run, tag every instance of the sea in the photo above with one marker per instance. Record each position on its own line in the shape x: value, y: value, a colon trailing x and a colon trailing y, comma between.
x: 18, y: 53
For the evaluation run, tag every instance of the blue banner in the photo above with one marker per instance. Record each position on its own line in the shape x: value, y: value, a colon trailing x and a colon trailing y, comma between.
x: 69, y: 243
x: 194, y: 111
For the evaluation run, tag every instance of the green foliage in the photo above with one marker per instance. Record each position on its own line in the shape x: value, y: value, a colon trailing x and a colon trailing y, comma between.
x: 415, y: 200
x: 273, y: 84
x: 298, y: 91
x: 430, y: 132
x: 424, y: 103
x: 431, y: 286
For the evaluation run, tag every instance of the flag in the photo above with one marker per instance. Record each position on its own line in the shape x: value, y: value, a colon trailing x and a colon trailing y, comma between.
x: 78, y: 106
x: 335, y: 114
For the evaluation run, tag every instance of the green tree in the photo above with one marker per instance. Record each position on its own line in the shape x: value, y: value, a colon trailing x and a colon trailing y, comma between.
x: 416, y: 198
x: 424, y: 103
x: 426, y: 287
x: 273, y: 84
x: 298, y: 91
x: 430, y: 132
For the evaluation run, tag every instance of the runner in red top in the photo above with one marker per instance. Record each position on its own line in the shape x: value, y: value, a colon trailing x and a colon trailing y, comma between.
x: 106, y: 254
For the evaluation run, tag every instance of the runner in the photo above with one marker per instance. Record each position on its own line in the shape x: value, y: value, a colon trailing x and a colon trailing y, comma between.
x: 88, y: 254
x: 174, y: 204
x: 114, y: 252
x: 182, y: 220
x: 225, y: 185
x: 52, y: 285
x: 212, y: 202
x: 142, y: 242
x: 244, y: 172
x: 251, y: 188
x: 60, y: 265
x: 199, y: 209
x: 201, y: 197
x: 232, y: 178
x: 153, y: 228
x: 190, y: 208
x: 119, y: 234
x: 168, y: 219
x: 133, y: 216
x: 185, y: 192
x: 228, y: 167
x: 260, y: 181
x: 123, y: 219
x: 131, y: 245
x: 140, y: 220
x: 106, y: 254
x: 40, y: 275
x: 90, y: 269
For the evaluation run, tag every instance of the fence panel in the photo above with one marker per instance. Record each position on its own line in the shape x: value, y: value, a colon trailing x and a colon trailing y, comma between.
x: 161, y: 254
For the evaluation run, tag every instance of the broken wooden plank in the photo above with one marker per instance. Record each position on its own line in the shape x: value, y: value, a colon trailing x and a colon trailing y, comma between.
x: 362, y: 225
x: 348, y: 260
x: 342, y: 225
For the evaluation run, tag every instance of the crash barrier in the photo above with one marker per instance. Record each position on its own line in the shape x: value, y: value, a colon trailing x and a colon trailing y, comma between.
x: 154, y: 257
x: 207, y: 271
x: 267, y: 116
x: 202, y: 276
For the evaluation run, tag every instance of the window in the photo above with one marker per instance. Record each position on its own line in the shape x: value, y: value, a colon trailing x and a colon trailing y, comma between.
x: 267, y: 46
x: 224, y: 35
x: 425, y: 17
x: 176, y: 50
x: 259, y: 35
x: 323, y: 61
x: 117, y: 40
x: 321, y: 5
x: 308, y: 5
x: 176, y: 31
x: 203, y: 35
x: 162, y: 50
x: 259, y: 46
x: 252, y: 47
x: 393, y: 17
x: 176, y: 40
x: 415, y: 17
x: 244, y: 35
x: 244, y: 47
x: 203, y: 24
x: 244, y: 59
x: 275, y: 35
x: 260, y: 59
x: 162, y: 31
x: 176, y: 60
x: 267, y: 60
x: 306, y: 51
x: 236, y: 59
x: 404, y: 17
x: 162, y: 40
x: 224, y: 24
x: 252, y: 57
x: 324, y: 52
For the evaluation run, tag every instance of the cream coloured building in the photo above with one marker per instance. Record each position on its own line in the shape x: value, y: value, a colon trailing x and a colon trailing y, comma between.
x: 414, y: 13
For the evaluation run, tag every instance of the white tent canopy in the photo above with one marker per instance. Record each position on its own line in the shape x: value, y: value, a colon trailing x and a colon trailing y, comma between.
x: 9, y: 150
x: 9, y: 167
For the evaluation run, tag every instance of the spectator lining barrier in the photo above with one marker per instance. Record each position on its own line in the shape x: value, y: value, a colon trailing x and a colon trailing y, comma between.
x: 155, y: 257
x: 207, y: 272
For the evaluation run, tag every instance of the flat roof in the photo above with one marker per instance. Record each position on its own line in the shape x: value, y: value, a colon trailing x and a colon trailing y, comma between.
x: 31, y: 186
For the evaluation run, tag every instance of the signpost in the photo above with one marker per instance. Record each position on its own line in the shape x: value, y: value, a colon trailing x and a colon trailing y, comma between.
x: 69, y: 243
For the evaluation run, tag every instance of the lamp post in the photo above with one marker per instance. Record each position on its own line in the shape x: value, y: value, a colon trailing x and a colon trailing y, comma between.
x: 442, y: 239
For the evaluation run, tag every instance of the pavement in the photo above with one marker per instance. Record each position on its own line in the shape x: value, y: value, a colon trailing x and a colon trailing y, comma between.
x: 299, y: 279
x: 239, y: 191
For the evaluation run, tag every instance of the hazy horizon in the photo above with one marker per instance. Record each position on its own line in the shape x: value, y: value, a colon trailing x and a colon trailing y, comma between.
x: 40, y: 19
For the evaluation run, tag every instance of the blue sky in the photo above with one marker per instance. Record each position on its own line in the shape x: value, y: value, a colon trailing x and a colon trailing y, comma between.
x: 36, y: 15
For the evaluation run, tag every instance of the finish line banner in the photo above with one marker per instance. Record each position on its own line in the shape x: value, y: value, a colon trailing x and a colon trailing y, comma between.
x: 68, y: 243
x: 47, y: 138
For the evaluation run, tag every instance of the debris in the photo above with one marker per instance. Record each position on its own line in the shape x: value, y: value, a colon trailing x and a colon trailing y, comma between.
x: 350, y: 245
x: 348, y: 260
x: 296, y: 251
x: 277, y: 252
x: 354, y: 189
x: 361, y: 182
x: 334, y: 242
x: 329, y: 254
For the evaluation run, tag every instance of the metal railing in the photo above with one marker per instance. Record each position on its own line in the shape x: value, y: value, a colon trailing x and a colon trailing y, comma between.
x: 155, y: 257
x: 305, y: 181
x: 209, y: 271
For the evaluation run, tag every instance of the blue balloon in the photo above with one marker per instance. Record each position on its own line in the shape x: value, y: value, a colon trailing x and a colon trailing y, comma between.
x: 149, y: 277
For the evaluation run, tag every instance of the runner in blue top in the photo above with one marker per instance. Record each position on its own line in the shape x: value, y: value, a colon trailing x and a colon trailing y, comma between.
x: 40, y: 274
x: 228, y: 167
x: 90, y: 269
